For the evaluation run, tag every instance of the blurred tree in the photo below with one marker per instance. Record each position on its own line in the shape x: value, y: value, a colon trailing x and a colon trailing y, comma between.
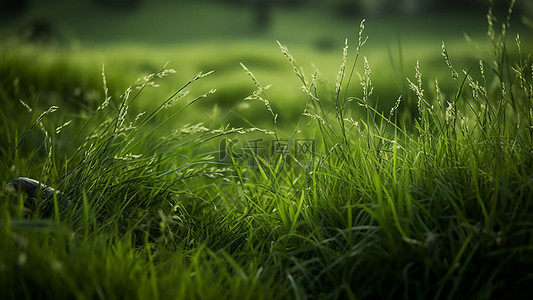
x: 294, y: 3
x: 262, y: 14
x: 120, y: 4
x: 460, y: 5
x: 13, y: 7
x: 348, y: 8
x: 351, y: 8
x: 43, y: 32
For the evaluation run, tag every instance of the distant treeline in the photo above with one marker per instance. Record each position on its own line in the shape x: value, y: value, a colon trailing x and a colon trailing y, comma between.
x: 341, y: 7
x: 358, y: 7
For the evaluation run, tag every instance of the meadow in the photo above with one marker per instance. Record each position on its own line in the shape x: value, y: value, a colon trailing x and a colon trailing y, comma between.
x: 399, y: 166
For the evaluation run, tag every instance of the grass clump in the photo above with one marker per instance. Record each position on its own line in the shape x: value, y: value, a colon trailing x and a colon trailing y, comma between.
x: 437, y: 205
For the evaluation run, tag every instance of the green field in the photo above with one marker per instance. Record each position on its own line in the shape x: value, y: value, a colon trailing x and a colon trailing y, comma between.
x: 401, y: 167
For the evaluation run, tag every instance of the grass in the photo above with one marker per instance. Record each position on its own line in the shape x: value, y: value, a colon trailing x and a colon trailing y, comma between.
x: 169, y: 32
x: 429, y: 198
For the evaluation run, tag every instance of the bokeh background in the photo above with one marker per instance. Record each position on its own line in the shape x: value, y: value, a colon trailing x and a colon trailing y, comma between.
x: 171, y: 22
x: 58, y: 47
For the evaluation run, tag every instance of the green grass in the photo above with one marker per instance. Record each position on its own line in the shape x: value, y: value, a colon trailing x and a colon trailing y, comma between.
x: 427, y: 199
x: 194, y: 37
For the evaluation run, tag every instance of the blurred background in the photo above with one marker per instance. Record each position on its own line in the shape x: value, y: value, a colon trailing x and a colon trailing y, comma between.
x: 58, y: 47
x: 164, y: 22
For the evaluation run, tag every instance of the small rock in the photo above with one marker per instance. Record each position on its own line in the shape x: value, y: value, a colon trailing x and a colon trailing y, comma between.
x: 30, y: 187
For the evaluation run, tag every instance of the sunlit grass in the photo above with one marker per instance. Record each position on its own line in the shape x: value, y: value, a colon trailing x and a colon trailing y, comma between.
x: 427, y: 195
